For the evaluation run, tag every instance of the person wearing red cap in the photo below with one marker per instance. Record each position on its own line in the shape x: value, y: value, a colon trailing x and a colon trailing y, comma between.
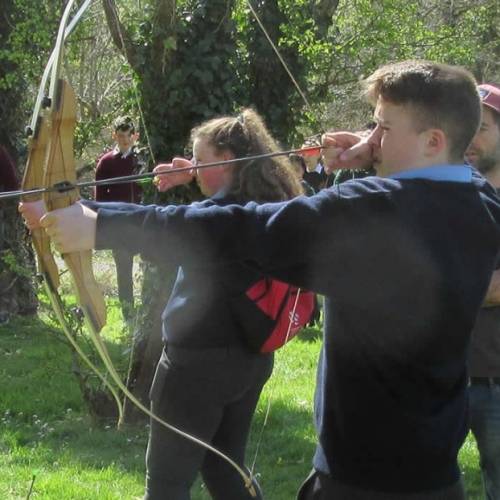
x: 484, y: 358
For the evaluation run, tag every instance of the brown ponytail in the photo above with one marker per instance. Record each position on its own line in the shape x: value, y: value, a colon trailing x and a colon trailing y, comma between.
x: 265, y: 180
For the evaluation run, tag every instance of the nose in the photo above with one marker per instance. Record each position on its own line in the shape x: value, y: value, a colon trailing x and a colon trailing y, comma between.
x: 374, y: 138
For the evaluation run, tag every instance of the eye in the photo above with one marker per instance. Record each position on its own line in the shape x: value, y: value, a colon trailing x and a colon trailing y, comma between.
x: 380, y: 126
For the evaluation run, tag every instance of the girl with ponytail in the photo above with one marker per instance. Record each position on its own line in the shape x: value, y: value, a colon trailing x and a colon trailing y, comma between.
x: 209, y: 379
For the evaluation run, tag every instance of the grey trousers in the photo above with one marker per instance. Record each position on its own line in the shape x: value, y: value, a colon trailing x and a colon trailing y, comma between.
x: 212, y: 394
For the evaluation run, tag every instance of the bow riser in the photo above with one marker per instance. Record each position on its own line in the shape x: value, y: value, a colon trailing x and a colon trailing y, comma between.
x: 33, y: 178
x: 60, y: 166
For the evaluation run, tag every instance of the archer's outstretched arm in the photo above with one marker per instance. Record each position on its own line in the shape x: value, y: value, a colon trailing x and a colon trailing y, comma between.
x: 295, y: 241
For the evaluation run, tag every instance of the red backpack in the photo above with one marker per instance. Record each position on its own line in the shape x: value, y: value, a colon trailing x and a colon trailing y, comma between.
x: 271, y: 324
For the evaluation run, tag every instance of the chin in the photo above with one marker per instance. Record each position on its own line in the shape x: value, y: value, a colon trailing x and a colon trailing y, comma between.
x: 472, y: 160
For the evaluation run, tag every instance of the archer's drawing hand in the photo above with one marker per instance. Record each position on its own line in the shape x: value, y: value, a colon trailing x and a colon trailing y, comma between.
x: 71, y: 229
x: 346, y: 150
x: 165, y: 181
x: 32, y: 212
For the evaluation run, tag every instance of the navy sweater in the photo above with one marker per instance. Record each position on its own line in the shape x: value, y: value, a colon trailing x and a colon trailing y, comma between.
x: 205, y: 307
x: 404, y: 266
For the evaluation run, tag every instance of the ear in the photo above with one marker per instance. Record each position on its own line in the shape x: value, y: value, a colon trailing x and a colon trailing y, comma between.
x: 228, y: 169
x: 136, y: 136
x: 436, y: 143
x: 227, y: 155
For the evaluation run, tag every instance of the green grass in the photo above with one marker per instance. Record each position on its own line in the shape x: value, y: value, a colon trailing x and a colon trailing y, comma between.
x: 45, y: 431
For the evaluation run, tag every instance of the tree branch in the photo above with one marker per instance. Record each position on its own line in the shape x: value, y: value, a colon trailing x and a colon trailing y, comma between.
x: 164, y: 22
x: 323, y: 11
x: 120, y: 35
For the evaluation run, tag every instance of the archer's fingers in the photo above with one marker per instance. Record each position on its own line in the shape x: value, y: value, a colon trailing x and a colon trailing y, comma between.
x: 331, y: 159
x: 71, y: 229
x: 32, y: 212
x: 162, y: 167
x: 49, y: 222
x: 160, y: 180
x: 362, y: 151
x: 162, y: 183
x: 328, y: 140
x: 340, y: 139
x: 179, y: 162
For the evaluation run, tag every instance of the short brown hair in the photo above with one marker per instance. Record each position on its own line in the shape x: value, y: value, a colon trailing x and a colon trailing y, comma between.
x: 441, y: 96
x: 124, y: 124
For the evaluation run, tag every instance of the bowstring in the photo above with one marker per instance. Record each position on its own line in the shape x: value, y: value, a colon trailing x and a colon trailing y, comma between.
x: 135, y: 321
x: 248, y: 479
x: 273, y: 387
x: 134, y: 324
x: 278, y: 54
x: 310, y: 108
x: 134, y: 85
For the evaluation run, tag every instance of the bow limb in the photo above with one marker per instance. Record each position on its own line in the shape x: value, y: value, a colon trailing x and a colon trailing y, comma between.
x: 60, y: 167
x: 41, y: 90
x: 33, y: 178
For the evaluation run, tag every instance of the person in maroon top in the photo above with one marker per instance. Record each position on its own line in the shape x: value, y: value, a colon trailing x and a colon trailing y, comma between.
x: 8, y: 176
x: 121, y: 161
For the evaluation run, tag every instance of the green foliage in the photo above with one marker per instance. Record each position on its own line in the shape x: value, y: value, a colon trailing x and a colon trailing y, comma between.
x: 267, y: 86
x: 365, y: 34
x: 13, y: 264
x: 212, y: 59
x: 196, y: 82
x: 26, y: 32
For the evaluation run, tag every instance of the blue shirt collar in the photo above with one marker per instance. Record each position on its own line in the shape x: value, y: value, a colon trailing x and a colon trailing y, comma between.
x: 449, y: 173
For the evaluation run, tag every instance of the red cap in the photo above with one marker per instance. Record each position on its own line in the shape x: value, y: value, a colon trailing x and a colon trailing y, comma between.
x: 490, y: 95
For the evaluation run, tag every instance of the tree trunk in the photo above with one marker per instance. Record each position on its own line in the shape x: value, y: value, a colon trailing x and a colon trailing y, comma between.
x: 17, y: 291
x: 17, y: 295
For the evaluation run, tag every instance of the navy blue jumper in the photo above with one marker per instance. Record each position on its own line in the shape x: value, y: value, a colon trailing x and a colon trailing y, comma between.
x: 404, y: 265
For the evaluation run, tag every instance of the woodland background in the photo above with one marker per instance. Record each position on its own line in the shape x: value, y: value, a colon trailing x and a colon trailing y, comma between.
x: 172, y: 64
